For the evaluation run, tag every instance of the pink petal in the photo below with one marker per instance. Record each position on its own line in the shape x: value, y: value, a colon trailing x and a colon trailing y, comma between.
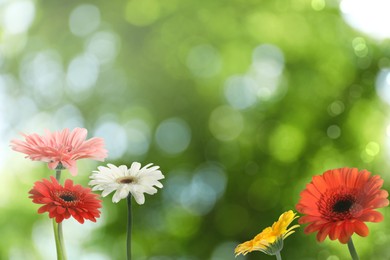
x: 53, y: 165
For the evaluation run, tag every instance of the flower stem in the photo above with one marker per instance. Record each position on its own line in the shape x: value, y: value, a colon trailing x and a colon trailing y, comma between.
x: 129, y: 225
x: 61, y: 238
x: 57, y: 240
x: 352, y: 250
x: 58, y: 235
x: 278, y: 256
x: 58, y: 175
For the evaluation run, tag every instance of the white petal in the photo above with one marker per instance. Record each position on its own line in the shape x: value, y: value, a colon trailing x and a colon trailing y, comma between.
x: 125, y: 191
x: 134, y: 168
x: 116, y: 198
x: 102, y: 178
x: 158, y: 185
x: 149, y: 190
x: 150, y: 182
x: 146, y: 166
x: 145, y: 169
x: 93, y: 182
x: 123, y: 169
x: 101, y: 168
x: 105, y: 179
x: 151, y: 178
x: 97, y: 187
x: 104, y: 170
x: 139, y: 197
x: 108, y: 190
x: 156, y: 174
x: 112, y: 167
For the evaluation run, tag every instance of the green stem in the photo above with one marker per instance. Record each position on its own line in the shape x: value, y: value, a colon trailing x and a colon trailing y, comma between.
x: 58, y: 175
x: 278, y: 256
x: 61, y: 238
x: 129, y: 225
x: 58, y: 234
x: 352, y: 250
x: 57, y: 240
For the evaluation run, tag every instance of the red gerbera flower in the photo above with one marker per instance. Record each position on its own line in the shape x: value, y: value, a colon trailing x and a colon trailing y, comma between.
x: 61, y: 147
x: 63, y: 202
x: 337, y: 203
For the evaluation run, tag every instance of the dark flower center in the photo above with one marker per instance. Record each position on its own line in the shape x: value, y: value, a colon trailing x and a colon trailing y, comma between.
x: 342, y: 205
x: 68, y: 197
x: 338, y: 204
x: 126, y: 180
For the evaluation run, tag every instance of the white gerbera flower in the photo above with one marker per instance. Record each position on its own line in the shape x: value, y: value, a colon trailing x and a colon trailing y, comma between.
x: 135, y: 180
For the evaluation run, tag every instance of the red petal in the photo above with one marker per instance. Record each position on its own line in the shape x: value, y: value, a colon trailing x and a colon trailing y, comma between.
x: 68, y: 184
x: 61, y: 210
x: 361, y: 229
x: 44, y: 208
x: 371, y: 216
x: 344, y: 238
x: 348, y: 228
x: 59, y: 218
x: 312, y: 228
x: 319, y: 183
x: 335, y: 231
x: 323, y: 232
x: 350, y: 179
x: 78, y: 218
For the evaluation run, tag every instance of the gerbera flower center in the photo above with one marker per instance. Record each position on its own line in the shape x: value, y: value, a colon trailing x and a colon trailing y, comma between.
x: 126, y: 180
x: 337, y: 204
x: 68, y: 197
x: 343, y: 205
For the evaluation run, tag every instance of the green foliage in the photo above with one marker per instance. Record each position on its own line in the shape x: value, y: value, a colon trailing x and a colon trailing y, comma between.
x: 247, y: 156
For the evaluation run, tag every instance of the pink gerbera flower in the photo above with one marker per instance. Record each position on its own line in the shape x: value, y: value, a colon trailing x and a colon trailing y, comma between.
x: 62, y: 202
x: 63, y: 148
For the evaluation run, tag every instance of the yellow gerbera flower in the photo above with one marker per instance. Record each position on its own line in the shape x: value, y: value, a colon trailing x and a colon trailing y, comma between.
x: 270, y: 240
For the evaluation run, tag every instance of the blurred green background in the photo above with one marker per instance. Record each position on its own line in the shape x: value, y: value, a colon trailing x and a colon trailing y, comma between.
x: 239, y: 102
